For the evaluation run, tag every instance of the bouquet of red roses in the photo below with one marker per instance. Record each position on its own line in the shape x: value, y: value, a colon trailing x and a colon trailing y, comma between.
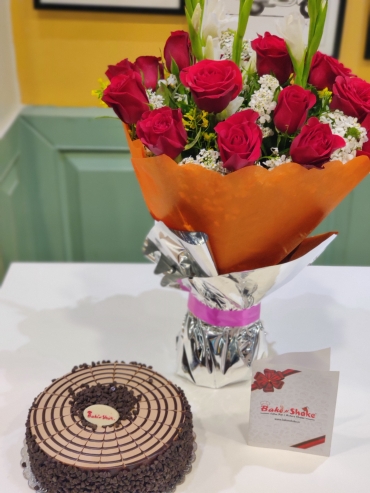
x: 241, y: 149
x: 253, y: 143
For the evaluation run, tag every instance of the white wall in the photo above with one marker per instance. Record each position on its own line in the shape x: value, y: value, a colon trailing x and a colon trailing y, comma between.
x: 10, y: 103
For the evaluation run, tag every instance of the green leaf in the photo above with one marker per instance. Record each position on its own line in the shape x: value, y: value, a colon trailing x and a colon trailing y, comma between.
x: 192, y: 144
x: 202, y: 4
x: 312, y: 13
x: 165, y: 93
x: 174, y: 68
x: 244, y: 12
x: 189, y: 7
x: 318, y: 12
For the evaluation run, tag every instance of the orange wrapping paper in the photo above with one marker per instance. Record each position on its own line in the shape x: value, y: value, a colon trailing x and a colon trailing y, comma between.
x: 253, y: 217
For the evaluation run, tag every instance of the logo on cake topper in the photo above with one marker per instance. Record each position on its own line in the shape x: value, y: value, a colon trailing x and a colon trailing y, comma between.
x: 101, y: 415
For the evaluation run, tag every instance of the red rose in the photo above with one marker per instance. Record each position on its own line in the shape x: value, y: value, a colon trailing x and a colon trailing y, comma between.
x: 239, y: 140
x: 272, y: 57
x: 213, y: 84
x: 122, y: 67
x: 292, y: 108
x: 324, y: 70
x: 162, y: 131
x: 126, y: 95
x: 315, y: 144
x: 178, y: 48
x: 365, y: 151
x: 149, y: 67
x: 352, y: 96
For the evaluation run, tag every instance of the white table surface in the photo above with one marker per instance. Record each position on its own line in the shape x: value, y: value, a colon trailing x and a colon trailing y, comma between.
x: 53, y: 316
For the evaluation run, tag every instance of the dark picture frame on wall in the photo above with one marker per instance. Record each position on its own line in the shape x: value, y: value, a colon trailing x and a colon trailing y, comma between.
x: 263, y: 16
x: 141, y: 6
x: 367, y: 50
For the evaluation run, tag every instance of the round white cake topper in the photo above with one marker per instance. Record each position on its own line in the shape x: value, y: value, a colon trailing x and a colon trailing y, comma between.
x: 101, y: 415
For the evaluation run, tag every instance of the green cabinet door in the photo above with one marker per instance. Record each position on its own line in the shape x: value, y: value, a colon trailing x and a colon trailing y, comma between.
x: 86, y: 203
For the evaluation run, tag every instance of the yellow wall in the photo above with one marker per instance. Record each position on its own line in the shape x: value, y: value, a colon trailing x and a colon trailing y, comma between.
x: 354, y: 37
x: 61, y: 54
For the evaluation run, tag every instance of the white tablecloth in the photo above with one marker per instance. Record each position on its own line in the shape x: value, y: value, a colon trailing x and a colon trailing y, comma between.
x: 53, y: 316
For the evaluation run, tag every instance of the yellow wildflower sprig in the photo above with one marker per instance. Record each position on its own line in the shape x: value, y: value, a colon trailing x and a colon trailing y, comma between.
x: 195, y: 119
x: 325, y: 98
x: 325, y: 94
x: 199, y: 126
x: 100, y: 91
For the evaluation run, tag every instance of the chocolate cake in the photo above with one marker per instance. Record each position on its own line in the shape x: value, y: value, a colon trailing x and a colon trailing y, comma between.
x: 112, y: 428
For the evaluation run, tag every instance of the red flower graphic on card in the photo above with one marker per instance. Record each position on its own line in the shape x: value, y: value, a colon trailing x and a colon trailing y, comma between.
x: 268, y: 380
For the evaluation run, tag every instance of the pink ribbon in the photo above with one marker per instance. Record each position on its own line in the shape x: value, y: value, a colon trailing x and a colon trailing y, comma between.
x: 223, y: 318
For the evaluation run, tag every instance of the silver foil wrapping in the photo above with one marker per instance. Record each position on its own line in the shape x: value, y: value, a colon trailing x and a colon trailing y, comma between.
x: 212, y: 355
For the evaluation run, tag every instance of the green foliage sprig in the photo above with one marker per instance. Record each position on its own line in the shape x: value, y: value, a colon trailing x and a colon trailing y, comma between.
x: 317, y: 11
x: 244, y: 12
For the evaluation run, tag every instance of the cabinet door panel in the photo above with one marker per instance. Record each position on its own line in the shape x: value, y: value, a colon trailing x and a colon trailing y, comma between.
x: 16, y: 241
x: 352, y: 221
x: 106, y: 216
x: 9, y: 191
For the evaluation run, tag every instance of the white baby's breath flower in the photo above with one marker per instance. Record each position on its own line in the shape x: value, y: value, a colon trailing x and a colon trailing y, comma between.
x: 248, y: 55
x: 350, y: 130
x: 266, y: 131
x: 181, y: 97
x: 188, y: 160
x: 226, y: 41
x: 269, y: 81
x: 172, y: 80
x: 155, y: 100
x: 262, y: 101
x: 226, y: 44
x: 277, y: 161
x: 209, y: 159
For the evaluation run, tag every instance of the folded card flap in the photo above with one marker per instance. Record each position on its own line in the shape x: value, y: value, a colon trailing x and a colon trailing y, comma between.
x: 315, y: 360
